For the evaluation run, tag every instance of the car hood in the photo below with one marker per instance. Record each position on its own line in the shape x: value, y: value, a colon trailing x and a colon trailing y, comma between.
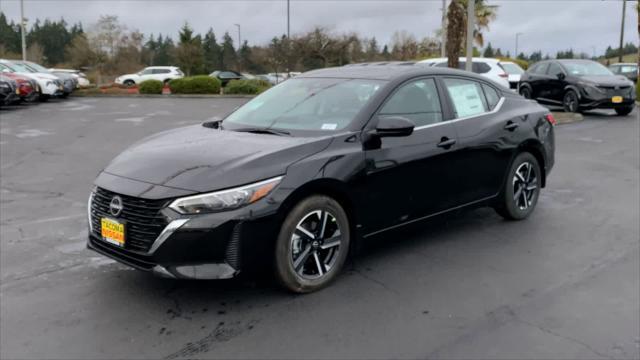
x: 607, y: 80
x: 40, y: 76
x: 201, y: 159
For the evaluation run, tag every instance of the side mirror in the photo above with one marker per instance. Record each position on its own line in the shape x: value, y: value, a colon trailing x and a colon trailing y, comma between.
x: 560, y: 76
x: 394, y: 126
x: 6, y: 70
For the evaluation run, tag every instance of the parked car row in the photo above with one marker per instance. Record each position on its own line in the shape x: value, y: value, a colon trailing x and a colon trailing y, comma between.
x: 273, y: 78
x: 27, y: 81
x: 579, y: 85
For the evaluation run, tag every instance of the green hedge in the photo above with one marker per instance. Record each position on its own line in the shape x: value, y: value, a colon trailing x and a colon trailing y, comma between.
x: 151, y: 87
x: 201, y: 84
x: 248, y: 87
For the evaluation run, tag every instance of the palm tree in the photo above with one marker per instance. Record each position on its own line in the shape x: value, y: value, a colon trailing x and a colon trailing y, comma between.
x: 485, y: 14
x: 457, y: 26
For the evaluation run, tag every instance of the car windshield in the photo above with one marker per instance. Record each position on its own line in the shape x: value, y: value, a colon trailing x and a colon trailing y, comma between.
x: 586, y: 68
x: 306, y: 104
x: 36, y: 67
x: 512, y: 69
x: 21, y: 68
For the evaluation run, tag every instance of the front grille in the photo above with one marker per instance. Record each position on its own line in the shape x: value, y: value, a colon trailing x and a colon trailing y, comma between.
x: 142, y: 218
x: 615, y: 90
x: 232, y: 254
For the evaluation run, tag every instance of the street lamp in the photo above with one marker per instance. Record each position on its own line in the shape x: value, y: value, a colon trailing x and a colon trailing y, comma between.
x: 23, y: 21
x: 515, y: 55
x: 239, y: 38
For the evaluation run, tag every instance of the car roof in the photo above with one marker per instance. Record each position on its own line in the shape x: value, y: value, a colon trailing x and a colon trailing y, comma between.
x: 476, y: 59
x: 389, y: 72
x: 626, y: 64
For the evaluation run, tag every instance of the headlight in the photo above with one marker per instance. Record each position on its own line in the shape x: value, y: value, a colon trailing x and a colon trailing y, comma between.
x: 225, y: 199
x: 49, y: 83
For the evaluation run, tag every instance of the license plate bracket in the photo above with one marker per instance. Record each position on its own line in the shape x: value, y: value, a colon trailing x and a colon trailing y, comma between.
x: 113, y: 231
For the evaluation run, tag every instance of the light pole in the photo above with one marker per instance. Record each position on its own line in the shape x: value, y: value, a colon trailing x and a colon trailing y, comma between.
x: 443, y: 42
x: 624, y: 10
x: 239, y: 38
x: 515, y: 55
x: 471, y: 6
x: 22, y: 31
x: 288, y: 38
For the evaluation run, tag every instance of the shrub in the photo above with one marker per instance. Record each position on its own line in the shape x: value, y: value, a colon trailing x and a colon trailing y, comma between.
x: 248, y: 87
x: 201, y: 84
x: 151, y: 87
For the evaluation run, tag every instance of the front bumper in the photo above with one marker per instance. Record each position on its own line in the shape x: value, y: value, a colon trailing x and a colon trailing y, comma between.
x: 590, y: 99
x: 211, y: 246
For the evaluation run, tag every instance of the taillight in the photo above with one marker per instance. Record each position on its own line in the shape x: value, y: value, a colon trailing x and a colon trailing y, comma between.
x: 551, y: 119
x: 504, y: 75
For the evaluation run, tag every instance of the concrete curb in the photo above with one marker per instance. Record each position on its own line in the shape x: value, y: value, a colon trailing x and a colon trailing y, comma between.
x: 567, y: 118
x: 186, y: 96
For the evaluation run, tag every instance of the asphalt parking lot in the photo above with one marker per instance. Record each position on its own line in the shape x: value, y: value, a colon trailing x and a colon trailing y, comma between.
x: 563, y: 284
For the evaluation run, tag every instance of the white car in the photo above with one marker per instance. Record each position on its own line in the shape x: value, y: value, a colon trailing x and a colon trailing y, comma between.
x: 49, y: 84
x: 487, y: 67
x: 161, y: 73
x: 514, y: 71
x: 82, y: 79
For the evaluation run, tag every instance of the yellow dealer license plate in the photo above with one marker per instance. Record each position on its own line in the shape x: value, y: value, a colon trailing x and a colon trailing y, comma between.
x: 616, y: 99
x: 113, y: 231
x: 17, y: 91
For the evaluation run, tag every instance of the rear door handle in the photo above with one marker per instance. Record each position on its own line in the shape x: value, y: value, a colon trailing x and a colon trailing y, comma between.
x: 446, y: 143
x: 511, y: 126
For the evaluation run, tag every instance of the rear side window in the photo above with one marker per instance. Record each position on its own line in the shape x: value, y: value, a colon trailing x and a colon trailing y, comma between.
x: 467, y: 97
x: 492, y: 96
x: 161, y: 71
x: 554, y: 69
x: 418, y: 101
x: 540, y: 69
x: 480, y: 68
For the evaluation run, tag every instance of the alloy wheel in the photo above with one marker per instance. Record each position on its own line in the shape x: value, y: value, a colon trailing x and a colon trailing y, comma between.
x: 525, y: 186
x: 315, y: 244
x: 570, y: 102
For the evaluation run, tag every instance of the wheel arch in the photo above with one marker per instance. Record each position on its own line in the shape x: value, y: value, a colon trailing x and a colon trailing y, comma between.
x: 333, y: 188
x: 536, y: 149
x: 574, y: 88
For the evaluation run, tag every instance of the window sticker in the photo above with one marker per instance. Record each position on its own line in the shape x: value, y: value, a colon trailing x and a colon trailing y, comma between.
x: 466, y: 99
x: 329, y: 126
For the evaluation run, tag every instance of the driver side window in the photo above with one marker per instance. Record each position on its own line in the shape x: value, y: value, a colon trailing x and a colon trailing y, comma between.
x: 417, y: 101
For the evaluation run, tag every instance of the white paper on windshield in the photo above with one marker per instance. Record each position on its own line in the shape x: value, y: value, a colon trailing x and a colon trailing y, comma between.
x: 329, y: 126
x: 466, y: 98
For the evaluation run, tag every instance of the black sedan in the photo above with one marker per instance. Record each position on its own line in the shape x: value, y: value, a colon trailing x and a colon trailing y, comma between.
x: 226, y: 75
x: 578, y: 85
x: 299, y: 175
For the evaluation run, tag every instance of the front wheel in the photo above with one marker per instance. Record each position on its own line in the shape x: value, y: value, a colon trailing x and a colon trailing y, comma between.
x: 520, y: 192
x: 570, y: 102
x: 624, y: 111
x: 525, y: 92
x: 129, y: 83
x: 312, y: 245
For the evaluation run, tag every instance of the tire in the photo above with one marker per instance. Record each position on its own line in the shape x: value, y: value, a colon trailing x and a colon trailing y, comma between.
x: 317, y: 252
x: 624, y: 111
x: 571, y: 102
x: 518, y: 198
x: 129, y: 83
x: 43, y: 98
x: 525, y: 92
x: 166, y: 81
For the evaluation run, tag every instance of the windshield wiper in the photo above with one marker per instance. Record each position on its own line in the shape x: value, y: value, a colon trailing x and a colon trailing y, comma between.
x: 260, y: 130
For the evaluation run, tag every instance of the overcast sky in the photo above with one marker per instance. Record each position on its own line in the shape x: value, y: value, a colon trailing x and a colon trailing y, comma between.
x: 548, y: 25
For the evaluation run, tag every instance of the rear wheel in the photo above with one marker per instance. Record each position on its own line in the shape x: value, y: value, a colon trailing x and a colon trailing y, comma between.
x: 312, y: 245
x: 570, y: 102
x: 525, y: 92
x: 519, y: 195
x: 624, y: 111
x: 129, y: 83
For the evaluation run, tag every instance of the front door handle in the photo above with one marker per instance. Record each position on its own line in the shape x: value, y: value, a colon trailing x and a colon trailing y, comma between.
x: 511, y: 126
x: 446, y: 143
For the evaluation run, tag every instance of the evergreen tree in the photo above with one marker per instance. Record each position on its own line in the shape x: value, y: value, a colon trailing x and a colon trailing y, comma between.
x: 385, y: 53
x: 9, y: 36
x: 488, y: 51
x: 188, y: 55
x: 212, y: 52
x: 498, y: 53
x: 229, y: 57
